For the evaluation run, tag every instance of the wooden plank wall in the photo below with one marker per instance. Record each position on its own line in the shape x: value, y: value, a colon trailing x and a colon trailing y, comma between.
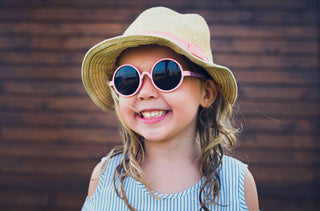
x: 52, y: 135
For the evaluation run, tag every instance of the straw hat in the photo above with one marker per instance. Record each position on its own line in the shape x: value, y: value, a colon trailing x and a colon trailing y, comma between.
x: 186, y: 34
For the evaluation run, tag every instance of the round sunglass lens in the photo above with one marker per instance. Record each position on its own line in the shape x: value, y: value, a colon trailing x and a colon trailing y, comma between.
x: 166, y: 75
x: 126, y: 80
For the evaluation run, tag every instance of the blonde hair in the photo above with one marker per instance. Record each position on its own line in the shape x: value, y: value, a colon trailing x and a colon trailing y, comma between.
x: 214, y: 133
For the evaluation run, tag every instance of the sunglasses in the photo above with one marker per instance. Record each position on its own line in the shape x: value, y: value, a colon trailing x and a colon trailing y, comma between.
x: 166, y: 75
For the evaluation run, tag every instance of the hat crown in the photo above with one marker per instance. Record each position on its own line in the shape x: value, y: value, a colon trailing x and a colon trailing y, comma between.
x: 186, y: 34
x: 191, y: 28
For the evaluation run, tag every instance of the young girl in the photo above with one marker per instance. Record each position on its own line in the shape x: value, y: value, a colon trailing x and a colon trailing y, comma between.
x: 174, y: 105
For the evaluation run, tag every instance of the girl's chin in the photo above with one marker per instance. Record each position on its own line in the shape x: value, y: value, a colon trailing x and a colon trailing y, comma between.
x: 153, y: 136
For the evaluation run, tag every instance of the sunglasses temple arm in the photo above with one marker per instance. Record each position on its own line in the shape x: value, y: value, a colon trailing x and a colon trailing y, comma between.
x: 193, y: 74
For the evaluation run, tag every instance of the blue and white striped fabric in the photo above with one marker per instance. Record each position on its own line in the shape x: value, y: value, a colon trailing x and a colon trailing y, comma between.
x: 232, y: 192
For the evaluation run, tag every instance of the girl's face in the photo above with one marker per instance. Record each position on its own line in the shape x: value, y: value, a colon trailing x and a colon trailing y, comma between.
x: 153, y: 114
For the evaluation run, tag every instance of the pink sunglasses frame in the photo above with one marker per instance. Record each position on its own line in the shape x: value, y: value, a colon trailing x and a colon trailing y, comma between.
x: 184, y: 73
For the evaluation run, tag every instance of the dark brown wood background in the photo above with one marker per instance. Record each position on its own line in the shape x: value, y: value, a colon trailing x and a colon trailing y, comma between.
x: 52, y: 135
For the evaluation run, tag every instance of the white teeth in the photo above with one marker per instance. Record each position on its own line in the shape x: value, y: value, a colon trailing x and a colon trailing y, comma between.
x: 152, y: 114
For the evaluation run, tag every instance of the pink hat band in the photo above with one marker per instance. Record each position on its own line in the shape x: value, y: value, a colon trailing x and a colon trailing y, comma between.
x: 192, y: 48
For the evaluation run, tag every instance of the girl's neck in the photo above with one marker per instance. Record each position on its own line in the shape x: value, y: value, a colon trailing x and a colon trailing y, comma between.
x: 171, y: 167
x: 170, y: 152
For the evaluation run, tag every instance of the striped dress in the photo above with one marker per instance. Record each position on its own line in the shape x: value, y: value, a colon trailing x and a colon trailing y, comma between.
x: 231, y: 193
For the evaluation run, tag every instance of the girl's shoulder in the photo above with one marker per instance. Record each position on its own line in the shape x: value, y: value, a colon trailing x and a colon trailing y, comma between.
x: 228, y: 161
x: 109, y: 163
x: 106, y: 165
x: 232, y: 175
x: 237, y: 183
x: 232, y: 168
x: 106, y: 162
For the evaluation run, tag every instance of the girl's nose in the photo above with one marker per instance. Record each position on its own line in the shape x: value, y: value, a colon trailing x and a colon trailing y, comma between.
x: 147, y: 90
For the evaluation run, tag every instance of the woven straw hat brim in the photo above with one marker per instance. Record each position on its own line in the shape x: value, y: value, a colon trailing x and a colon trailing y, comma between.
x: 100, y: 62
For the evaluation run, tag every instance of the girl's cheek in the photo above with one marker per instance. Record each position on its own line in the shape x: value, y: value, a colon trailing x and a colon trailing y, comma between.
x: 122, y: 109
x: 126, y: 110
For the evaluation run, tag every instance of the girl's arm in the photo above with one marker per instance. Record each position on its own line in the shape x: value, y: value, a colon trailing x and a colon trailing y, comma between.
x: 94, y: 181
x: 250, y: 192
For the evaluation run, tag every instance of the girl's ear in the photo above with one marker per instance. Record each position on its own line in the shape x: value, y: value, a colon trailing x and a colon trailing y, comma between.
x: 209, y: 93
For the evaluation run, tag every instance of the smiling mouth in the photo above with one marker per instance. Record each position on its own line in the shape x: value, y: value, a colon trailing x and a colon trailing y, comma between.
x: 152, y: 114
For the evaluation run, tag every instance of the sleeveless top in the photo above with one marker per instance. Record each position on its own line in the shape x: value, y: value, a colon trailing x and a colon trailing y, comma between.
x: 231, y: 192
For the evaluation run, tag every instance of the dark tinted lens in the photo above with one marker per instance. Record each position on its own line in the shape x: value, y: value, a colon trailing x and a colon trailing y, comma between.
x: 126, y: 80
x: 166, y: 75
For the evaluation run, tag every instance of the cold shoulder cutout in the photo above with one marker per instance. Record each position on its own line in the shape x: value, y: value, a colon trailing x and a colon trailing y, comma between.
x: 94, y: 180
